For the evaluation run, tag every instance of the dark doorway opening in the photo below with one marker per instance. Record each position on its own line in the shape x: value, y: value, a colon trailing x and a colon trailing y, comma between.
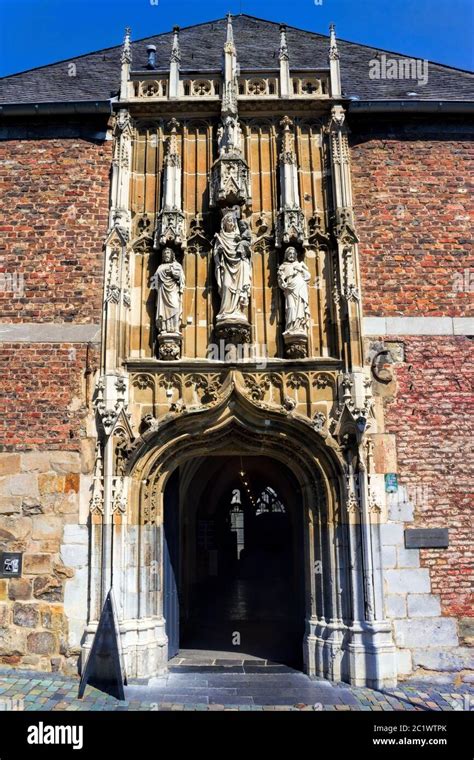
x: 240, y: 573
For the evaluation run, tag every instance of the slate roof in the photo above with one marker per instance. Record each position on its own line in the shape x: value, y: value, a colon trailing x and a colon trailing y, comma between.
x: 257, y: 42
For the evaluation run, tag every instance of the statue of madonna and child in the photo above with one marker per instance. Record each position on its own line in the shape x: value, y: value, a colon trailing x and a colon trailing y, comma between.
x: 233, y: 268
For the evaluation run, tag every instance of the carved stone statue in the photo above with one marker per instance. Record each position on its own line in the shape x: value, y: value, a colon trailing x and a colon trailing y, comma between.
x: 293, y: 278
x: 168, y: 282
x: 229, y: 136
x: 233, y: 267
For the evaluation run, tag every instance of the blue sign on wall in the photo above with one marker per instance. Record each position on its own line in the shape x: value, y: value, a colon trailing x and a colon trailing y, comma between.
x: 391, y: 482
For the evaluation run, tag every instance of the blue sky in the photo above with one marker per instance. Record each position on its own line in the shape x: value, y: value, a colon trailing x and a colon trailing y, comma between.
x: 37, y: 32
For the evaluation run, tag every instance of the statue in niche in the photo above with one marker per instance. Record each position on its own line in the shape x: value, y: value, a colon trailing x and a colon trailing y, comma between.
x: 293, y: 278
x: 168, y: 281
x: 232, y: 260
x: 229, y: 136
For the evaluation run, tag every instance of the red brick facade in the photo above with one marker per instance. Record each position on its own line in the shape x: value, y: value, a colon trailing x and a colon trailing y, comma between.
x: 46, y: 388
x: 55, y: 199
x: 433, y: 419
x: 414, y: 205
x: 54, y: 204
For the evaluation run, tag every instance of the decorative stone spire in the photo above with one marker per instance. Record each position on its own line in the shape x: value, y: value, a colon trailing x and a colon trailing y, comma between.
x: 126, y: 47
x: 334, y: 68
x: 347, y: 278
x: 171, y: 220
x: 175, y: 51
x: 175, y: 61
x: 284, y: 64
x: 230, y: 180
x: 229, y: 98
x: 229, y: 43
x: 288, y: 166
x: 291, y: 224
x: 283, y: 44
x: 126, y: 60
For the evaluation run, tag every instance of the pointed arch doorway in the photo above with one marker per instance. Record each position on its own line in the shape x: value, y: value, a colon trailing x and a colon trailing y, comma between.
x: 346, y: 636
x: 234, y: 560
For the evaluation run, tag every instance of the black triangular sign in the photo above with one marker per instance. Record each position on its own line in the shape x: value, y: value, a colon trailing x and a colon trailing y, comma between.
x: 104, y: 668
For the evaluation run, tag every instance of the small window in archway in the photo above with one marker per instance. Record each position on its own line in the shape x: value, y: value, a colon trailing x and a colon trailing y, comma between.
x: 268, y: 501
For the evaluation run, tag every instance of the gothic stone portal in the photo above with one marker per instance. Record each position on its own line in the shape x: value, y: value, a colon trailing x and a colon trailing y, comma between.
x: 180, y: 477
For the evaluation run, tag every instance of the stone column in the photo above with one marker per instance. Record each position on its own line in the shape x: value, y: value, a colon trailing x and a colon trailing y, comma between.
x: 369, y: 652
x: 347, y: 266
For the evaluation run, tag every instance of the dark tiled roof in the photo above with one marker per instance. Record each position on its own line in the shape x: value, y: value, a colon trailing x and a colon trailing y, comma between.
x: 257, y: 42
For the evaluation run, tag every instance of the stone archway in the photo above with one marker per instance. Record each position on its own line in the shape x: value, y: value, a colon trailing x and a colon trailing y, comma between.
x: 237, y: 538
x: 341, y: 641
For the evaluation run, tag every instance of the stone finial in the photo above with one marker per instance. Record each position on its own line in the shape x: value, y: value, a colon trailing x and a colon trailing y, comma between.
x: 173, y: 124
x: 333, y: 51
x: 284, y: 65
x: 172, y: 153
x: 334, y: 69
x: 283, y: 44
x: 126, y: 47
x: 230, y: 32
x: 229, y: 94
x: 175, y: 60
x: 175, y: 50
x: 126, y: 60
x: 287, y: 154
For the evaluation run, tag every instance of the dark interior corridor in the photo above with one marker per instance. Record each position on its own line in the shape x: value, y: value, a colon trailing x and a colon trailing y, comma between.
x: 240, y: 582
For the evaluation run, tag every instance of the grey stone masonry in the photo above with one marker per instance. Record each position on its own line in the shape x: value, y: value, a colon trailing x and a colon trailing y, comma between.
x: 447, y: 660
x: 423, y: 637
x: 408, y: 557
x: 408, y: 581
x: 430, y: 633
x: 396, y: 605
x: 423, y: 605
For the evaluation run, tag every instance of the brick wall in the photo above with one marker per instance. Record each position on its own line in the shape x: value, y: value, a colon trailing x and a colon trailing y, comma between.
x: 46, y: 394
x: 54, y: 190
x: 54, y: 186
x: 414, y: 205
x: 54, y: 195
x: 432, y: 416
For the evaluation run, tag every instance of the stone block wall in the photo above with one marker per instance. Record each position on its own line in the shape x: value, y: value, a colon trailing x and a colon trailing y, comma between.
x: 428, y: 638
x: 39, y: 513
x: 413, y: 208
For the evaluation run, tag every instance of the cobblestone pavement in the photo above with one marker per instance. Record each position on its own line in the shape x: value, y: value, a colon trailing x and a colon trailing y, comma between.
x: 228, y: 688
